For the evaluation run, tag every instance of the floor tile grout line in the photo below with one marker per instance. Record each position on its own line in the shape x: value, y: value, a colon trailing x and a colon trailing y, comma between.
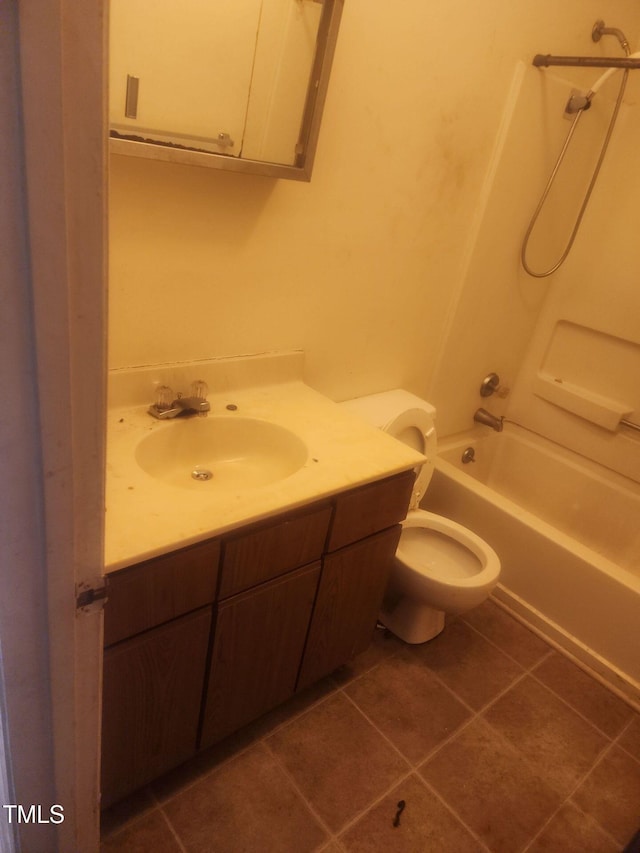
x: 552, y: 817
x: 424, y: 760
x: 453, y: 812
x: 332, y: 836
x: 620, y: 693
x: 620, y: 735
x: 610, y: 738
x: 173, y: 830
x: 378, y: 730
x: 500, y: 648
x: 568, y: 799
x: 532, y: 672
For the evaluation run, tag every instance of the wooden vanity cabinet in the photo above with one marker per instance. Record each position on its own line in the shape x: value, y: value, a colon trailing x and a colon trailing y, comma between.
x: 157, y: 627
x: 226, y: 630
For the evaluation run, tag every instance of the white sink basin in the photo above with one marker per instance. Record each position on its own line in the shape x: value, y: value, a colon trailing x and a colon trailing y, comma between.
x: 220, y: 453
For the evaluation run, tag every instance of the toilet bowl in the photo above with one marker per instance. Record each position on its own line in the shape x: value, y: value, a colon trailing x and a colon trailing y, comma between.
x: 440, y: 566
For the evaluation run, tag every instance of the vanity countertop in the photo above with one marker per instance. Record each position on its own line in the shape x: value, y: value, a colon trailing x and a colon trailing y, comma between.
x: 147, y: 517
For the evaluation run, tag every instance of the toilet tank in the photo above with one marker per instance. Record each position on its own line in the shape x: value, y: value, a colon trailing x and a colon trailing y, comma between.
x: 407, y: 418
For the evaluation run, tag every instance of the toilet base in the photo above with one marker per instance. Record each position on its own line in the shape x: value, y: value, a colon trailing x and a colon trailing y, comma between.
x: 412, y: 622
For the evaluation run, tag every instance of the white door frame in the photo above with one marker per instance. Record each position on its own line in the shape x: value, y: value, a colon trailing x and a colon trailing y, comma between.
x: 62, y: 63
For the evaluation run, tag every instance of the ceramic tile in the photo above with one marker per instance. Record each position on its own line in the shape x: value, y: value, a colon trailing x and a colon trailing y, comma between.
x: 611, y: 794
x: 339, y: 761
x: 630, y: 738
x: 599, y: 705
x: 425, y: 824
x: 570, y: 829
x: 248, y: 804
x: 556, y: 741
x: 409, y: 704
x: 496, y: 794
x: 149, y: 834
x: 507, y: 633
x: 468, y: 664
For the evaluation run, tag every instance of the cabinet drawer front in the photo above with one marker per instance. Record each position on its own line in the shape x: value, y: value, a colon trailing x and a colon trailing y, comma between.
x: 258, y: 646
x: 152, y: 694
x: 272, y: 550
x: 371, y: 508
x: 158, y: 590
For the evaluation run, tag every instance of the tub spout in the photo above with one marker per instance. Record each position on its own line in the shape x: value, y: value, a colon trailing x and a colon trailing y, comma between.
x: 482, y: 416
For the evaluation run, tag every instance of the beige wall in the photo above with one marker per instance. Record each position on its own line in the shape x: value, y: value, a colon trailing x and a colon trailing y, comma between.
x: 366, y: 268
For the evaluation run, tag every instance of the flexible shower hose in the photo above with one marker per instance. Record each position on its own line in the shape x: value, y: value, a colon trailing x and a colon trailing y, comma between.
x: 603, y: 151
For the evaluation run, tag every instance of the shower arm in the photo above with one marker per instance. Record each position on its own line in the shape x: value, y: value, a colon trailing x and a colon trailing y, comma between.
x: 545, y: 60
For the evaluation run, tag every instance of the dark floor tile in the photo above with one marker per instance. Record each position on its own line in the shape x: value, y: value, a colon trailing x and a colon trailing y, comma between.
x: 506, y: 632
x: 409, y: 704
x: 149, y: 834
x: 611, y: 794
x: 467, y: 663
x: 340, y: 762
x: 571, y: 831
x: 630, y: 739
x: 584, y: 693
x: 486, y: 782
x: 248, y: 804
x: 425, y: 825
x: 556, y: 741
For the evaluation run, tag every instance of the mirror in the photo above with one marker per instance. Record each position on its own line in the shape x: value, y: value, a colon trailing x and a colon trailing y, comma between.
x: 229, y: 84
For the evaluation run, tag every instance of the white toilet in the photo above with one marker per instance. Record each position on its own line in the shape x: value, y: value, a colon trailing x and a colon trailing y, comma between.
x: 440, y: 567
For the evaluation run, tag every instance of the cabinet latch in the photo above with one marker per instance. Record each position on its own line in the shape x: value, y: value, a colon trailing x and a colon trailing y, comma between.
x: 91, y: 596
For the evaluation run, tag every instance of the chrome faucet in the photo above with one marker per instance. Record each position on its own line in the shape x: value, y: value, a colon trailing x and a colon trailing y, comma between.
x: 482, y: 416
x: 168, y: 406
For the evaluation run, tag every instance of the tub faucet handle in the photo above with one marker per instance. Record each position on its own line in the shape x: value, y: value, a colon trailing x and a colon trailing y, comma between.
x: 491, y: 385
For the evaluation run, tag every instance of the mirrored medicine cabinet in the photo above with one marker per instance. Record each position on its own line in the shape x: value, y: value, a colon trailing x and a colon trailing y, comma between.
x: 237, y: 85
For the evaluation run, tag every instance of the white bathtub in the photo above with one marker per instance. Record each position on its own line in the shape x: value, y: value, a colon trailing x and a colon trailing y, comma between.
x: 568, y: 535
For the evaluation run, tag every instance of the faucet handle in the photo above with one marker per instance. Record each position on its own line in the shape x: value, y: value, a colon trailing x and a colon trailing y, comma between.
x: 199, y: 389
x: 164, y: 398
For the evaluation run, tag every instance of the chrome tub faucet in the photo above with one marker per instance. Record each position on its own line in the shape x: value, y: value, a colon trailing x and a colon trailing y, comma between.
x: 482, y: 416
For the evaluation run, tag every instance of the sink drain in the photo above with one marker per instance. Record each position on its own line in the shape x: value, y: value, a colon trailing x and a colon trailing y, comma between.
x: 202, y: 474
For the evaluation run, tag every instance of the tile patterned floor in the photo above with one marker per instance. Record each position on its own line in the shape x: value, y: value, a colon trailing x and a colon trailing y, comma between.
x: 494, y: 741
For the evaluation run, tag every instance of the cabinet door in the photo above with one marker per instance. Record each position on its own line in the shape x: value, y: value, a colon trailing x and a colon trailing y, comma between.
x: 194, y: 68
x: 257, y: 650
x: 152, y: 695
x: 351, y: 589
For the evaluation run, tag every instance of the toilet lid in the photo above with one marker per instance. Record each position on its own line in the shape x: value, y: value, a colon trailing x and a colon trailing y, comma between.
x: 415, y: 428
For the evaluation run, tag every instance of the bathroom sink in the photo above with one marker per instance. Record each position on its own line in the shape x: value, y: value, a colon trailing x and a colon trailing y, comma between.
x: 220, y: 453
